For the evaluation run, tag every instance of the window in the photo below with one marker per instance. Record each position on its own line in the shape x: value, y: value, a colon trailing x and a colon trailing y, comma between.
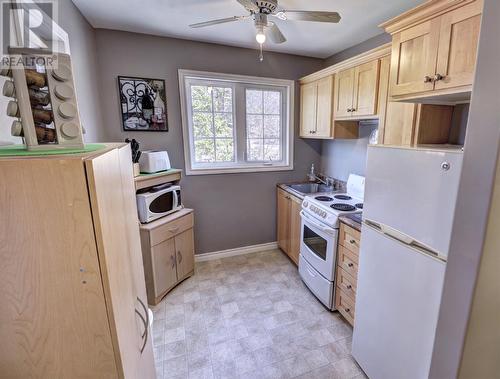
x: 236, y: 123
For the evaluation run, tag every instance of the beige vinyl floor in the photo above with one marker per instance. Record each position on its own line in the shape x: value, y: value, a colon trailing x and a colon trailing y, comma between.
x: 249, y: 316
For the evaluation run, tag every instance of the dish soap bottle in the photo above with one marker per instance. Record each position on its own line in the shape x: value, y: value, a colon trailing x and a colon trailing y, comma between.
x: 311, y: 176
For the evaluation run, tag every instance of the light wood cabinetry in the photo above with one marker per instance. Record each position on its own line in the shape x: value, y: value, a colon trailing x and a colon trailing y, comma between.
x: 356, y: 91
x: 289, y: 224
x: 73, y: 301
x: 434, y: 50
x: 316, y: 108
x: 409, y: 124
x: 308, y: 108
x: 168, y: 252
x: 347, y: 271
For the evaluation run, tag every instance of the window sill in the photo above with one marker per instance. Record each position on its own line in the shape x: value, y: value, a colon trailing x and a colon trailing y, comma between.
x: 236, y: 170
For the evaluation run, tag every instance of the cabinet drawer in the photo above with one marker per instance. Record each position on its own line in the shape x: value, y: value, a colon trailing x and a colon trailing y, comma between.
x: 349, y: 238
x: 344, y: 305
x: 346, y: 283
x: 171, y: 229
x: 348, y: 262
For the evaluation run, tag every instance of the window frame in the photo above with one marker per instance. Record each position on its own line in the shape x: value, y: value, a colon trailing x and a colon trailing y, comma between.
x: 239, y: 83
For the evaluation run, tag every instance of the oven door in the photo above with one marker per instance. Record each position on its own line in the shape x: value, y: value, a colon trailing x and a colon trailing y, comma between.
x: 318, y: 245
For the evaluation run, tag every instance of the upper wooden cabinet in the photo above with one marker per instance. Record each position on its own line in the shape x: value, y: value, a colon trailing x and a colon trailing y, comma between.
x: 316, y: 108
x: 356, y: 91
x: 434, y: 50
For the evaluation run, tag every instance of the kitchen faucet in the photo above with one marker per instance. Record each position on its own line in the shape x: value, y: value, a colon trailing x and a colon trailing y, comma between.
x: 315, y: 178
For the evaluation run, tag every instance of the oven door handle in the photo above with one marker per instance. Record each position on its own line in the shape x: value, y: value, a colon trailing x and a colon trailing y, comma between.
x: 320, y: 227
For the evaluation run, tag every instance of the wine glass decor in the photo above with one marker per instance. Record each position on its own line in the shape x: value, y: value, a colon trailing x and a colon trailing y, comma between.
x: 143, y: 104
x: 43, y: 101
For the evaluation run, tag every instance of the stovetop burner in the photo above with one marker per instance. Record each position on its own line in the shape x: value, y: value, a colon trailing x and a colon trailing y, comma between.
x: 359, y: 205
x: 343, y: 207
x: 324, y: 198
x: 343, y: 197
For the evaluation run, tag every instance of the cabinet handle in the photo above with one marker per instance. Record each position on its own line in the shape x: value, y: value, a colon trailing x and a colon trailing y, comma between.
x: 349, y: 110
x: 347, y: 310
x: 428, y: 79
x: 174, y: 229
x: 353, y: 109
x: 179, y: 256
x: 350, y: 264
x: 145, y: 321
x: 172, y: 259
x: 352, y: 241
x: 348, y: 286
x: 438, y: 77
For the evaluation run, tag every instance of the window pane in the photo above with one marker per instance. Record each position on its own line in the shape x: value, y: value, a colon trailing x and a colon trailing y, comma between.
x: 272, y: 126
x: 272, y: 100
x: 225, y: 150
x: 223, y: 124
x: 272, y: 150
x: 254, y: 101
x: 223, y: 99
x: 202, y: 124
x: 254, y: 126
x: 201, y: 98
x: 204, y: 150
x: 255, y: 149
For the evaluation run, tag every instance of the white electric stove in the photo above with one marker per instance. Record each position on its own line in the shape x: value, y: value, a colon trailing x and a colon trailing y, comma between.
x: 319, y: 236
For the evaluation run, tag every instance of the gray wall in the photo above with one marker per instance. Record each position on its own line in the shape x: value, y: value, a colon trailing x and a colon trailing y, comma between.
x: 470, y: 222
x: 231, y: 210
x: 339, y: 158
x: 369, y: 44
x: 84, y: 59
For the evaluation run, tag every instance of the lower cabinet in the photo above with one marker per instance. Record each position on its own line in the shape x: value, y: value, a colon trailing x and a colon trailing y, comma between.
x: 73, y: 295
x: 288, y: 224
x: 168, y: 253
x: 347, y: 271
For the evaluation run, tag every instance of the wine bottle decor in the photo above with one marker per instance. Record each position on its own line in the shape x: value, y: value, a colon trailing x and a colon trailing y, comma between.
x: 44, y: 102
x: 142, y: 103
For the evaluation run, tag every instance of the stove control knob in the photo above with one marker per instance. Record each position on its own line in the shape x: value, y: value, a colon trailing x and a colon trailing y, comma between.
x: 306, y: 204
x: 323, y: 214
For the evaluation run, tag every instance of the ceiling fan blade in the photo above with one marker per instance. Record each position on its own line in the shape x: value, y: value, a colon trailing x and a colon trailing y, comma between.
x: 275, y: 33
x: 219, y: 21
x: 317, y: 16
x: 249, y: 4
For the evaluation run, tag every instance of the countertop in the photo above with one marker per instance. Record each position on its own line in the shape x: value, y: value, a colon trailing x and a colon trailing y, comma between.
x: 348, y: 220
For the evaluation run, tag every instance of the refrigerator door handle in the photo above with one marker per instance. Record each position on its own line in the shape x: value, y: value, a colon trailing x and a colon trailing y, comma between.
x: 403, y: 238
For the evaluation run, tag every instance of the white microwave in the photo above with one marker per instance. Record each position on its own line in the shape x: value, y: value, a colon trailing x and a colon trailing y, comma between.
x: 158, y: 201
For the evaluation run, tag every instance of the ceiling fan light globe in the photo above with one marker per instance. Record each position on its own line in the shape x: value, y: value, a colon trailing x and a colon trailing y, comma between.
x: 260, y: 38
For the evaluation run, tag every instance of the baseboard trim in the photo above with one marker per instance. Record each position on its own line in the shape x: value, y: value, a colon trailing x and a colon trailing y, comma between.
x: 237, y: 251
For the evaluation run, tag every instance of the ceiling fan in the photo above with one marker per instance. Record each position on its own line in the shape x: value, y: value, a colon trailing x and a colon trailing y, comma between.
x: 260, y: 10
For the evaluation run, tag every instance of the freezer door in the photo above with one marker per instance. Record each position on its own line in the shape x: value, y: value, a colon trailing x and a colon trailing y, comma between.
x: 397, y: 306
x: 414, y: 192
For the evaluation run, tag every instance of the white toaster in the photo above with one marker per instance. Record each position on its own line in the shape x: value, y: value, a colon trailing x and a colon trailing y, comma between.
x: 152, y: 161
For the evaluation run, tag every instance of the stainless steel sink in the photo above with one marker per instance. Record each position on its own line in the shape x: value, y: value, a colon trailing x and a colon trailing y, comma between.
x: 306, y: 188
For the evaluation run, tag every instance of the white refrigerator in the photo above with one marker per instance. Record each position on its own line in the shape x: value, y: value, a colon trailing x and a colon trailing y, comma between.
x: 410, y: 198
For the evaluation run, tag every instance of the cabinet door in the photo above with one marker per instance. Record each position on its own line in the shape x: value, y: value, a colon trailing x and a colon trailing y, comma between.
x: 344, y: 91
x: 283, y: 220
x: 414, y: 54
x: 324, y: 117
x: 366, y: 89
x: 127, y: 315
x: 399, y: 124
x: 184, y: 249
x: 295, y: 225
x: 164, y: 270
x: 458, y: 42
x: 308, y: 109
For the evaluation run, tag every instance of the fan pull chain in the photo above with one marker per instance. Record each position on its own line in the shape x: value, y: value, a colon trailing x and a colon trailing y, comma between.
x: 261, y: 55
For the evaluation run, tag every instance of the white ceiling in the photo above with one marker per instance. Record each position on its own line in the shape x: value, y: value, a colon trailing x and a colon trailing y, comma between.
x: 360, y: 20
